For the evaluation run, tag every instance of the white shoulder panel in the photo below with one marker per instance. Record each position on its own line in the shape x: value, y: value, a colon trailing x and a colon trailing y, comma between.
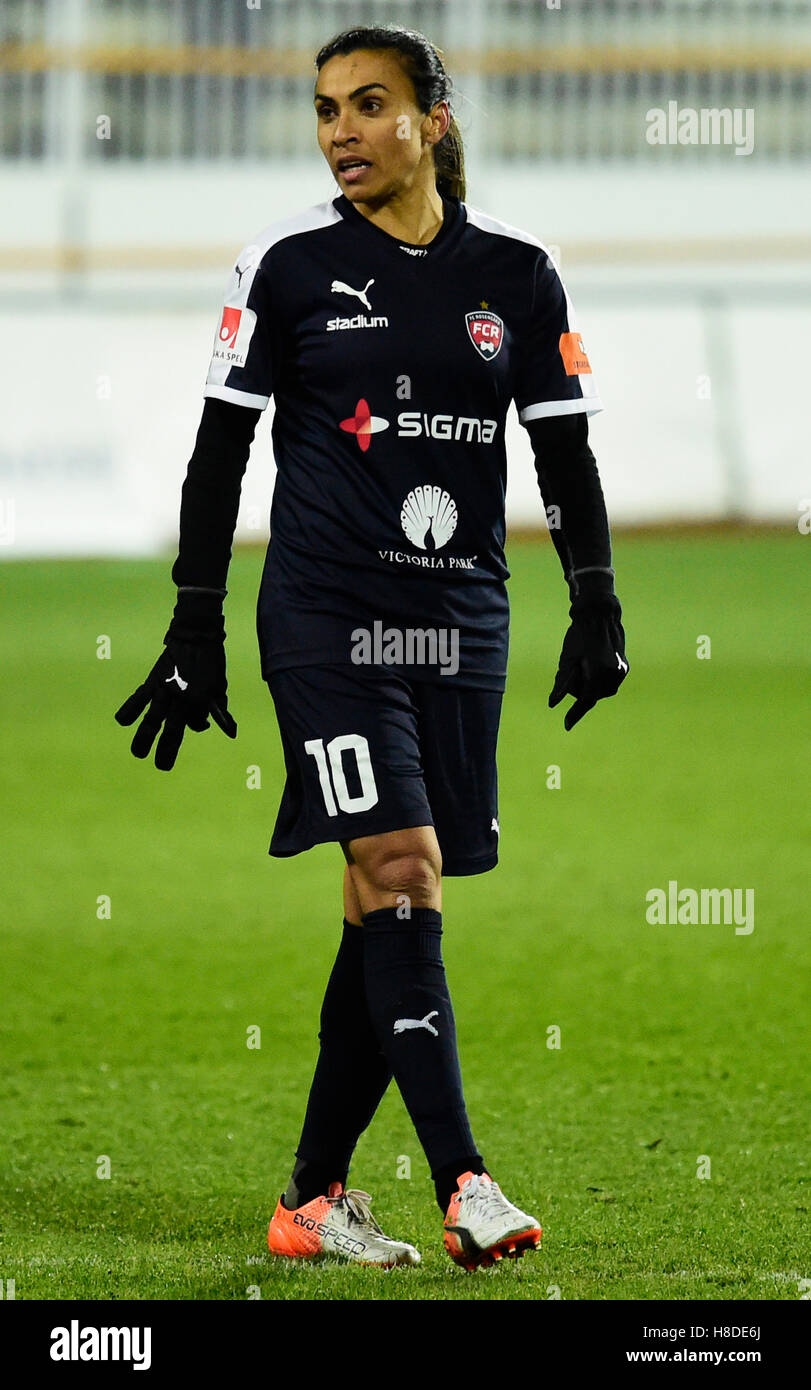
x: 250, y: 257
x: 237, y: 322
x: 311, y: 220
x: 486, y: 223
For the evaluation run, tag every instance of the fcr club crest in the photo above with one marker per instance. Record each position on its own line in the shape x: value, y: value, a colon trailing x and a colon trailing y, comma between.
x: 486, y: 332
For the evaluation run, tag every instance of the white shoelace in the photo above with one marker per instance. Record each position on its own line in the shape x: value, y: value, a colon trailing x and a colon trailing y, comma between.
x: 485, y: 1191
x: 357, y: 1203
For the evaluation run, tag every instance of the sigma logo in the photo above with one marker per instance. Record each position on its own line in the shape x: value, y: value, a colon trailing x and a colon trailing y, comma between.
x: 412, y: 424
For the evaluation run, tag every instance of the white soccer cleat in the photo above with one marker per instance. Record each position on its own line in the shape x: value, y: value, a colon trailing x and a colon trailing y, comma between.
x: 339, y: 1224
x: 482, y: 1227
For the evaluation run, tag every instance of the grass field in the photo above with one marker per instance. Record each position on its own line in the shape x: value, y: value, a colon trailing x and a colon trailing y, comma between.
x: 126, y: 1037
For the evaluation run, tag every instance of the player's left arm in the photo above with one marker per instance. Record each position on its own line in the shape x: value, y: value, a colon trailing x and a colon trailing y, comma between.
x: 555, y: 392
x: 592, y: 662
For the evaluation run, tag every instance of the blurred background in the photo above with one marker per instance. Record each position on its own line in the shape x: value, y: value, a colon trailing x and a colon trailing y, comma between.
x: 145, y: 141
x: 144, y: 927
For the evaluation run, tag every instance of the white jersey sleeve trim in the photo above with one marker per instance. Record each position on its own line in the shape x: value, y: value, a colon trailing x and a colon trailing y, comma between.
x: 229, y: 393
x: 543, y: 409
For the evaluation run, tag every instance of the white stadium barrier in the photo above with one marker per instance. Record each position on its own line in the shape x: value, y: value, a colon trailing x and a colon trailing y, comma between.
x: 689, y: 265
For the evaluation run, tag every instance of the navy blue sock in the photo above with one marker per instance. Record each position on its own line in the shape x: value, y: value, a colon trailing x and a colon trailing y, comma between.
x: 351, y: 1077
x: 410, y: 1008
x: 445, y: 1179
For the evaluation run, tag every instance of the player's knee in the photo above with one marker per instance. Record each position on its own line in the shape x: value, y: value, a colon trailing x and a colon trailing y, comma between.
x: 415, y: 875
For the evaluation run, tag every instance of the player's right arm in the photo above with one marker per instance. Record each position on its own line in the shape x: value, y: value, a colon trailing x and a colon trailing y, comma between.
x: 187, y: 685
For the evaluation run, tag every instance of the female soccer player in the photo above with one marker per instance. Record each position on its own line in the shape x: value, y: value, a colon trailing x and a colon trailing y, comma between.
x: 393, y: 325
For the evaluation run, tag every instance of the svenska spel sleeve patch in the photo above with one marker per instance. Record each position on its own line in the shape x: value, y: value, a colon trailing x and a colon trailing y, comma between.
x: 234, y: 336
x: 574, y: 354
x: 230, y: 325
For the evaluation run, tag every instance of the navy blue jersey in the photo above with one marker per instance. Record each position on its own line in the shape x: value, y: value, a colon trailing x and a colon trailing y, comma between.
x: 392, y: 367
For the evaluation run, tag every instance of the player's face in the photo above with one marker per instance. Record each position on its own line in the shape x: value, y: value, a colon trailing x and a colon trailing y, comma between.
x: 365, y: 108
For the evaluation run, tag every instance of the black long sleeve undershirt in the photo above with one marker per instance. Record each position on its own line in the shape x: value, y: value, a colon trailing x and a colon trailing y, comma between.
x: 211, y: 491
x: 564, y: 463
x: 569, y: 481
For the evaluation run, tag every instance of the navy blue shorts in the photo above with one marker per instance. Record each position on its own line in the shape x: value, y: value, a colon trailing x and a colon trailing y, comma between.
x: 366, y: 754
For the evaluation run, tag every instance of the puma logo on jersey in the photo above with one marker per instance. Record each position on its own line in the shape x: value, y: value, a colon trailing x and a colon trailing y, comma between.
x: 621, y: 665
x: 251, y: 255
x: 403, y: 1024
x: 338, y: 287
x: 176, y: 676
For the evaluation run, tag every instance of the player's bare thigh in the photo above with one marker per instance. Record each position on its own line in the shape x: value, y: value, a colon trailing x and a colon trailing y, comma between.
x: 382, y: 869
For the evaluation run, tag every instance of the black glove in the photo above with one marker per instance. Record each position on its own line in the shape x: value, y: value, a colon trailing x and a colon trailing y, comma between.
x: 187, y: 682
x: 592, y: 662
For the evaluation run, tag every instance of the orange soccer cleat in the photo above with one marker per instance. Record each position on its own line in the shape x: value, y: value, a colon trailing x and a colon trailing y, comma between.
x: 339, y: 1224
x: 482, y: 1227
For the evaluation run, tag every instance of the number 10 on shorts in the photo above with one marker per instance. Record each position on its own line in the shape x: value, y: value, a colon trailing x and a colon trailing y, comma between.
x: 331, y: 772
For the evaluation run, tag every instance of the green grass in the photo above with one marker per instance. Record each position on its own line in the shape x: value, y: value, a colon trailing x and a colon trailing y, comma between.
x: 127, y: 1037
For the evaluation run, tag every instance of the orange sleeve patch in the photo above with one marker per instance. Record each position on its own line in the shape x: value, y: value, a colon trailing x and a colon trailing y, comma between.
x: 574, y: 354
